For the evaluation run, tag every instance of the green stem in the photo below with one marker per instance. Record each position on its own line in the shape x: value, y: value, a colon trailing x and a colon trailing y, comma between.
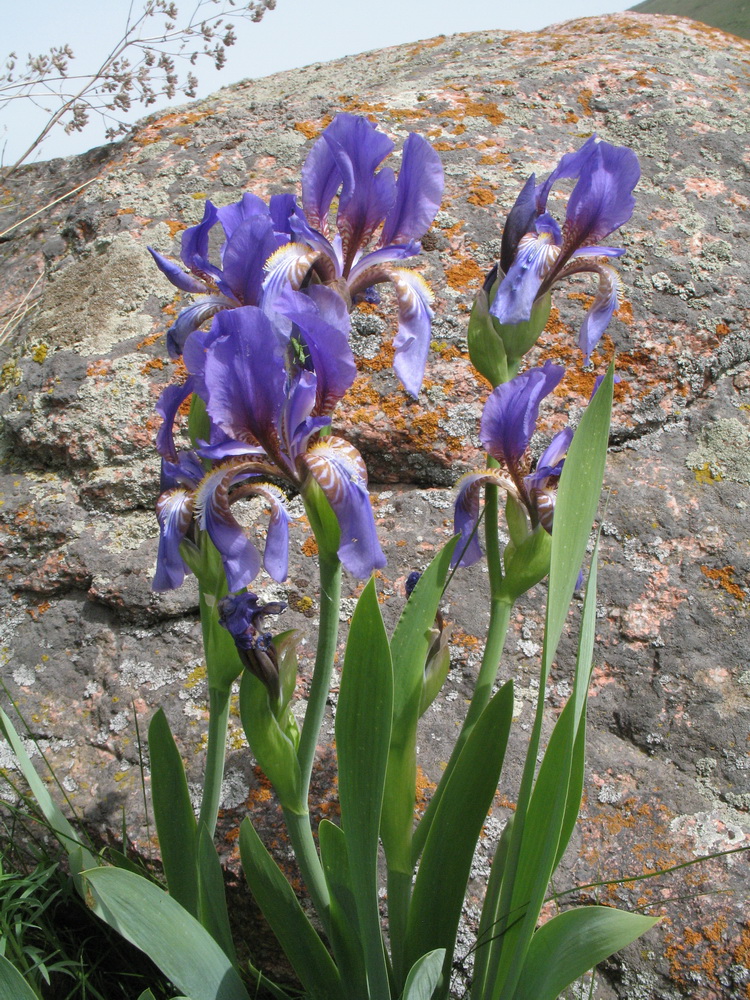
x: 492, y: 535
x: 328, y: 633
x: 218, y: 721
x: 499, y: 619
x: 300, y: 834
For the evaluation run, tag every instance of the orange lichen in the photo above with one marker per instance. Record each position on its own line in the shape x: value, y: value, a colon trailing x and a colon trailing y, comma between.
x: 723, y: 578
x: 584, y: 99
x: 425, y: 788
x: 462, y: 274
x: 174, y: 226
x: 99, y: 369
x: 625, y: 313
x: 308, y: 129
x: 310, y: 547
x: 152, y: 364
x: 468, y: 642
x: 481, y: 196
x: 38, y: 610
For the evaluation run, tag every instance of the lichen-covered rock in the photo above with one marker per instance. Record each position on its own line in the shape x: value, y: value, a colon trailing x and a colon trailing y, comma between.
x: 85, y: 643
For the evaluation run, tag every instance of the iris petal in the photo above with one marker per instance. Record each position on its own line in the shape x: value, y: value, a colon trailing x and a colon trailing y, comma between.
x: 174, y: 511
x: 520, y: 221
x: 602, y: 200
x: 366, y: 197
x: 167, y: 406
x: 276, y: 552
x: 194, y: 250
x: 239, y: 556
x: 248, y: 207
x: 252, y: 242
x: 321, y: 179
x: 466, y: 513
x: 601, y: 311
x: 419, y: 191
x: 289, y: 265
x: 244, y: 377
x: 412, y: 342
x: 323, y: 324
x: 191, y: 318
x: 511, y: 412
x: 185, y: 282
x: 518, y: 290
x: 338, y: 469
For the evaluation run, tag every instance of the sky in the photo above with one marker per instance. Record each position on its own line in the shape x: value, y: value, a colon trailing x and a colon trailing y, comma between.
x: 297, y: 33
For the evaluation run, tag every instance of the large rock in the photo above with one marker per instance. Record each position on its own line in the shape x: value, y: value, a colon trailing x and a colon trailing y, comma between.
x: 85, y: 642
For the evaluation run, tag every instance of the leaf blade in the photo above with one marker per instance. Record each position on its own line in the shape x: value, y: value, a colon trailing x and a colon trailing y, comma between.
x: 173, y: 813
x: 153, y: 921
x: 299, y: 939
x: 363, y: 733
x: 573, y: 942
x: 446, y: 862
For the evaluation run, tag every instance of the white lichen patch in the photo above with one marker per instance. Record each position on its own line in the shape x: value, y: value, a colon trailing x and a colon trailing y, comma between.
x: 234, y: 789
x: 129, y: 531
x: 135, y: 673
x: 724, y: 450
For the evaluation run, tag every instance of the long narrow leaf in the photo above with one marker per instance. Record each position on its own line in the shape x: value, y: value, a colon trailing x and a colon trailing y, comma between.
x: 446, y: 862
x: 12, y: 984
x: 575, y: 508
x: 299, y: 939
x: 411, y: 638
x: 173, y: 812
x: 212, y: 895
x: 154, y: 922
x: 573, y: 942
x: 486, y: 942
x: 345, y: 938
x: 363, y: 732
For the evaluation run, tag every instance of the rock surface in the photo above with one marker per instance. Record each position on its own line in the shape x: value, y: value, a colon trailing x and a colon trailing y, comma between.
x: 86, y: 644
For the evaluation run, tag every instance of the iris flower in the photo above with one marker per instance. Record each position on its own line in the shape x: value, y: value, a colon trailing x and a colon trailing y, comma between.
x: 242, y: 615
x: 253, y: 232
x: 376, y: 211
x: 269, y: 386
x: 536, y: 253
x: 507, y: 426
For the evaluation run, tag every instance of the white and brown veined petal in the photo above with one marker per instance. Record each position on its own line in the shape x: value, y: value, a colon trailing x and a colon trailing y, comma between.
x: 339, y: 470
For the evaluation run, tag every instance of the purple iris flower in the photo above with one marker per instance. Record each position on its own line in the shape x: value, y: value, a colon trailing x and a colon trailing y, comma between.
x: 536, y: 253
x: 242, y: 615
x: 269, y: 383
x: 508, y: 423
x: 345, y: 161
x: 253, y: 232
